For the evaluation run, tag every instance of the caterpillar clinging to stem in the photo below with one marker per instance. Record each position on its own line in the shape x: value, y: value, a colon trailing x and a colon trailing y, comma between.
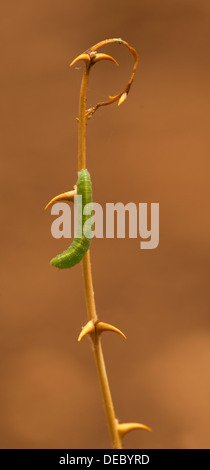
x: 80, y: 245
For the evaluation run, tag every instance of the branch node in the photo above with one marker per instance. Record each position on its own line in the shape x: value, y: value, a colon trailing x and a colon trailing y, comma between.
x: 98, y: 327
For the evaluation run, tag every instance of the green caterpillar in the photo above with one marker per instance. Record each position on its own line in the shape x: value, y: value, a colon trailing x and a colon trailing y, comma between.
x: 80, y: 245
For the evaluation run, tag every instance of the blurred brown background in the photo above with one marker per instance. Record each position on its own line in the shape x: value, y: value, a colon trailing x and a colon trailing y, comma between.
x: 153, y: 148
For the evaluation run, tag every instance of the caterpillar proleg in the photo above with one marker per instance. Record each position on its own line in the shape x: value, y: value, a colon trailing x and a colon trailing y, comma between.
x: 80, y: 245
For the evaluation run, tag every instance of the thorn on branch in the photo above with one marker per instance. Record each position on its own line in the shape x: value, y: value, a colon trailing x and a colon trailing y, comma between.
x: 98, y: 327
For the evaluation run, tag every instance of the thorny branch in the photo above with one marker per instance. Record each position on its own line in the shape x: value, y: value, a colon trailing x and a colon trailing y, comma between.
x: 94, y: 327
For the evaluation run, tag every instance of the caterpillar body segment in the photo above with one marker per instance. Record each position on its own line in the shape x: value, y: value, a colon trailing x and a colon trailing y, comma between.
x: 80, y: 245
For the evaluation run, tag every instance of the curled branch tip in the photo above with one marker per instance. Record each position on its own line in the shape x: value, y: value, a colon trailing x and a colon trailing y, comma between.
x: 92, y: 56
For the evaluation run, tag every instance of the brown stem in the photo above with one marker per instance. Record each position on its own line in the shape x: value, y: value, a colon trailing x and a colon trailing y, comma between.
x: 88, y: 283
x: 106, y: 393
x: 91, y: 57
x: 82, y: 121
